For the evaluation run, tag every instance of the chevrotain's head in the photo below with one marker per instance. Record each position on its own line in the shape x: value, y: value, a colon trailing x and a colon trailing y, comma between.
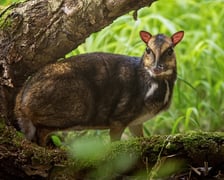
x: 159, y: 57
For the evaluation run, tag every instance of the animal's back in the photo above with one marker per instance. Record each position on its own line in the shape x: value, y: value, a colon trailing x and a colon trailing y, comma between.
x: 89, y: 90
x: 100, y: 90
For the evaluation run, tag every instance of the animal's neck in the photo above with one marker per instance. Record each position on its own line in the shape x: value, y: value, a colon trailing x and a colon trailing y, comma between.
x: 157, y: 89
x: 159, y: 86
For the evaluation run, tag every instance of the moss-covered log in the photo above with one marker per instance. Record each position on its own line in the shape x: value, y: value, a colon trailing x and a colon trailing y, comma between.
x: 36, y: 32
x: 136, y: 158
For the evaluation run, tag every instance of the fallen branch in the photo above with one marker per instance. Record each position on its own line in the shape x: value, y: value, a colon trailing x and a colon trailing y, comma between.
x: 147, y: 157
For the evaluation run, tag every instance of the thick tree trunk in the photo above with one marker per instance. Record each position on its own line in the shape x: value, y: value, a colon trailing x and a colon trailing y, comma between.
x: 32, y: 34
x: 37, y: 32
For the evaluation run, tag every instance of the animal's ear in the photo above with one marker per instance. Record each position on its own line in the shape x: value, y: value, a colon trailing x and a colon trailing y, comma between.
x: 145, y: 36
x: 177, y: 37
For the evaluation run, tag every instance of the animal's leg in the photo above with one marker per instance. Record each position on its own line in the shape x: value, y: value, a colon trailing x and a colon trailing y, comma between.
x: 42, y: 136
x: 136, y: 130
x: 116, y: 131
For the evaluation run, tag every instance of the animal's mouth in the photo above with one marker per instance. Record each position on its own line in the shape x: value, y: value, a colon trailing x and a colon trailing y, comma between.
x: 157, y: 72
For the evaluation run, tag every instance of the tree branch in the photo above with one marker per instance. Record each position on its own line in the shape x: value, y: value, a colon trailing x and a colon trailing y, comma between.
x: 36, y: 32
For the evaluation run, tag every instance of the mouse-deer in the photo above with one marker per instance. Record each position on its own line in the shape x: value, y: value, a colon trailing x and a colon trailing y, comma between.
x: 100, y: 91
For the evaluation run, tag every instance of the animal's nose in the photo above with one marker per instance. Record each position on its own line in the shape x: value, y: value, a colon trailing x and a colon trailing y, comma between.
x: 156, y: 70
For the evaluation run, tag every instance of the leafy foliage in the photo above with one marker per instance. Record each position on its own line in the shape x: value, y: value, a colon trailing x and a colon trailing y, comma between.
x: 198, y: 97
x: 8, y: 2
x: 197, y: 102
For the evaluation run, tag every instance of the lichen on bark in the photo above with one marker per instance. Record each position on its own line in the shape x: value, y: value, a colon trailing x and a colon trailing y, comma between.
x: 36, y: 32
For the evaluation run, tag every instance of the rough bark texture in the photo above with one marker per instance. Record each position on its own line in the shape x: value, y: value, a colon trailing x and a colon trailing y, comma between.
x: 32, y: 34
x: 37, y: 32
x: 137, y: 158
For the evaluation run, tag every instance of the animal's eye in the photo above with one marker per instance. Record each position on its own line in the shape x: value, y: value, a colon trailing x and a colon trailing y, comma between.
x: 161, y: 66
x: 170, y: 51
x: 148, y: 50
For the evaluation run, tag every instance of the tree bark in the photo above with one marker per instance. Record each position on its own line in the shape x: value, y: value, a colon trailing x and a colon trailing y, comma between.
x: 137, y: 158
x: 34, y: 33
x: 37, y: 32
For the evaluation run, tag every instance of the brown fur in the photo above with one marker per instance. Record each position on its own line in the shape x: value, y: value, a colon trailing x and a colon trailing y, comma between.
x: 97, y: 91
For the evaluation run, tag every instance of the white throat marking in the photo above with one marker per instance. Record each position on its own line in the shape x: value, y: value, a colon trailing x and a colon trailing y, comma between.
x: 151, y: 90
x: 167, y: 92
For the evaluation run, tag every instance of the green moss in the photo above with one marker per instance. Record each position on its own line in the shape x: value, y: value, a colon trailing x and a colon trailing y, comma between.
x: 200, y: 138
x: 117, y: 157
x: 91, y: 153
x: 171, y: 146
x: 2, y: 125
x: 5, y: 21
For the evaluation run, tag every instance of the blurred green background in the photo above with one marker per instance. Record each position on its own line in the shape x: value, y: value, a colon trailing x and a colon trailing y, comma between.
x: 198, y: 96
x: 8, y: 2
x: 198, y: 102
